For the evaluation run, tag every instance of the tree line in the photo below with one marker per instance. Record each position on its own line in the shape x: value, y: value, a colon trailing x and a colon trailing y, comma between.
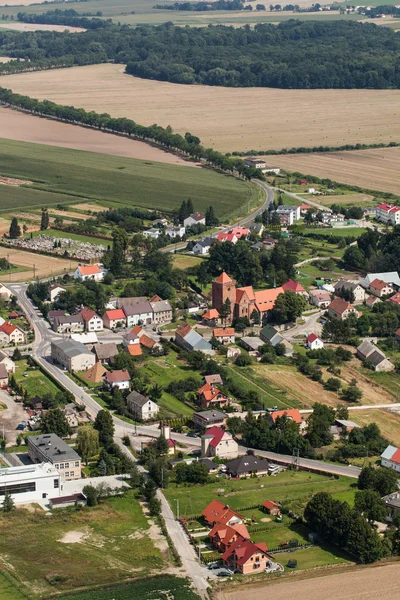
x: 68, y: 17
x: 206, y: 6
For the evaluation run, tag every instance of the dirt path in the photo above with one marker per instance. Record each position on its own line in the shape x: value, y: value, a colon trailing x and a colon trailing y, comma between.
x: 364, y: 583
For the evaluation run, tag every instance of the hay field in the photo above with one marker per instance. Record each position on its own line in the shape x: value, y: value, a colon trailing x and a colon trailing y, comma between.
x: 350, y: 199
x: 37, y: 27
x: 372, y: 169
x: 22, y: 127
x: 225, y: 118
x: 359, y: 584
x: 388, y: 422
x: 45, y: 266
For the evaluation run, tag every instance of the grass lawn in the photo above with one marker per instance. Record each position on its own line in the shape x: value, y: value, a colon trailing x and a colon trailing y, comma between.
x: 131, y: 182
x: 307, y: 273
x: 316, y: 556
x: 337, y: 231
x: 184, y: 261
x: 389, y: 381
x: 114, y: 545
x: 274, y: 536
x: 293, y: 489
x: 174, y: 588
x: 270, y: 394
x: 8, y: 591
x: 37, y: 383
x: 72, y: 236
x: 346, y: 496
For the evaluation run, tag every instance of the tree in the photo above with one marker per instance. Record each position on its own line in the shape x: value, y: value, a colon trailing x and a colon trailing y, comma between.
x: 352, y: 393
x: 15, y: 229
x: 44, y: 223
x: 342, y: 412
x: 105, y: 426
x: 120, y: 245
x: 87, y: 443
x: 319, y: 423
x: 370, y: 504
x: 363, y: 541
x: 211, y: 219
x: 255, y: 317
x: 92, y: 497
x: 354, y: 257
x: 225, y: 310
x: 380, y: 479
x: 8, y: 503
x: 54, y: 421
x: 155, y: 392
x: 154, y: 507
x: 17, y: 354
x: 333, y: 384
x: 288, y: 306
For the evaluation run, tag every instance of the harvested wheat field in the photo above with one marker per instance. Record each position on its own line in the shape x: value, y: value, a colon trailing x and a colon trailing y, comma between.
x: 372, y: 169
x: 5, y: 59
x: 226, y: 118
x: 19, y: 126
x: 388, y: 422
x: 37, y: 27
x: 87, y: 206
x: 351, y: 199
x: 45, y: 266
x: 364, y: 583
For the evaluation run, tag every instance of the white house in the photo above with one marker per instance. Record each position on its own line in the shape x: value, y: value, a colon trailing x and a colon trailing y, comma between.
x: 388, y: 213
x: 141, y: 407
x: 174, y: 232
x: 141, y: 312
x: 313, y: 342
x: 93, y: 321
x: 194, y: 219
x: 55, y: 290
x: 351, y: 286
x: 255, y: 163
x: 117, y: 379
x: 85, y: 272
x: 285, y: 209
x: 202, y: 247
x: 114, y: 318
x: 30, y: 483
x: 217, y: 442
x: 391, y: 458
x: 7, y: 362
x: 320, y: 298
x: 152, y: 233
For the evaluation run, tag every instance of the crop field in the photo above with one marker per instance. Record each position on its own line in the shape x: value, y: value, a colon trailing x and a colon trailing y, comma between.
x: 371, y: 169
x: 345, y: 199
x: 182, y: 261
x: 37, y: 27
x: 216, y: 115
x: 16, y: 125
x: 87, y: 175
x: 45, y: 266
x: 388, y: 422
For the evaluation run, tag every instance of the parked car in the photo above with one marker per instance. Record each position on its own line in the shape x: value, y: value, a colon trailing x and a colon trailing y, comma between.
x: 213, y: 566
x: 191, y: 434
x: 292, y: 564
x: 20, y: 427
x: 225, y: 573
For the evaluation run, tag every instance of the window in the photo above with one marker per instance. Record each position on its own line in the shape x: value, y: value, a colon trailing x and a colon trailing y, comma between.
x: 66, y: 474
x: 72, y: 474
x: 18, y: 488
x: 61, y: 465
x: 77, y: 463
x: 66, y: 465
x: 56, y: 483
x: 57, y: 466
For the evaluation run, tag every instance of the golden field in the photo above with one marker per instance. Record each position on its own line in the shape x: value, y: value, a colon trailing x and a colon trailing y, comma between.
x: 225, y: 118
x: 45, y: 266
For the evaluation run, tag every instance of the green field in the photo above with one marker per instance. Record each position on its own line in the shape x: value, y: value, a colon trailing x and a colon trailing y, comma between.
x: 8, y: 591
x: 173, y: 588
x: 37, y: 383
x: 88, y: 175
x: 309, y: 558
x: 293, y: 489
x: 337, y: 231
x: 107, y: 545
x: 73, y: 236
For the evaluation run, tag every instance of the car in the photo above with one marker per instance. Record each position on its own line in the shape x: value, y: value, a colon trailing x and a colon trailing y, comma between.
x: 213, y: 566
x: 224, y: 573
x: 191, y: 434
x: 20, y: 427
x: 292, y: 564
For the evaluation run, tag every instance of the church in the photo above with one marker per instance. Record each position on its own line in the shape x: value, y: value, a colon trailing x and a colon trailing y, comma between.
x: 243, y: 300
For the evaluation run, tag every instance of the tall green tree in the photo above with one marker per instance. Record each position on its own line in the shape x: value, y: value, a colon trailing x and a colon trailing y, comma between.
x: 15, y: 229
x: 8, y: 503
x: 288, y: 307
x: 54, y: 421
x: 87, y: 443
x: 105, y: 426
x: 44, y: 223
x: 211, y: 219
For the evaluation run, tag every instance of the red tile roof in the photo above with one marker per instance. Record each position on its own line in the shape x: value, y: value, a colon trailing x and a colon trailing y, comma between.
x: 339, y: 305
x: 120, y: 375
x: 265, y: 299
x: 217, y: 434
x: 183, y: 330
x: 89, y: 269
x: 224, y: 278
x: 244, y: 550
x: 223, y: 331
x: 217, y: 512
x: 245, y: 290
x: 209, y: 392
x: 117, y: 313
x: 293, y: 414
x: 312, y: 337
x: 270, y: 504
x: 378, y: 284
x: 396, y: 456
x: 136, y: 330
x: 395, y: 298
x: 293, y: 286
x: 88, y: 313
x: 146, y: 341
x: 211, y: 314
x: 8, y: 328
x: 135, y: 350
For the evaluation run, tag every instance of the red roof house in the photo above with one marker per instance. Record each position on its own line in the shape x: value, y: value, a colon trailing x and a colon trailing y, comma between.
x: 223, y: 536
x: 272, y: 507
x: 246, y: 557
x: 294, y: 286
x: 217, y: 512
x: 210, y: 396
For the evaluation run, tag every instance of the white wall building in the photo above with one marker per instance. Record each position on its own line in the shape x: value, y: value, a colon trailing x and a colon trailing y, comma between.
x: 391, y: 458
x: 152, y: 233
x: 174, y: 232
x: 388, y: 213
x: 30, y: 483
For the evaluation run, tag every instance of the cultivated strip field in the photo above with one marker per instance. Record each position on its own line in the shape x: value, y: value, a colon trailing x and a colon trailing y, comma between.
x: 19, y: 126
x: 45, y: 266
x: 350, y: 199
x: 361, y: 584
x: 39, y: 27
x: 226, y: 118
x: 372, y: 169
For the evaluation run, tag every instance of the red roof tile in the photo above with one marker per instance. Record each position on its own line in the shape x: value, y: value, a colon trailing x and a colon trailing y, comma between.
x: 211, y: 314
x: 223, y: 331
x: 270, y: 504
x: 224, y: 278
x: 312, y: 337
x: 117, y: 313
x: 120, y: 375
x: 293, y: 414
x: 8, y: 328
x: 135, y: 350
x: 89, y: 269
x: 396, y: 456
x: 293, y: 286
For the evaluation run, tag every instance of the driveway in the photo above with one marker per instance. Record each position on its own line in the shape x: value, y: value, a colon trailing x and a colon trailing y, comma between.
x: 10, y: 417
x: 311, y: 325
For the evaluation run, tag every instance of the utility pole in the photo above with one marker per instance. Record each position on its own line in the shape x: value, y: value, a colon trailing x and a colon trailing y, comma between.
x: 177, y: 509
x: 34, y: 271
x: 295, y: 458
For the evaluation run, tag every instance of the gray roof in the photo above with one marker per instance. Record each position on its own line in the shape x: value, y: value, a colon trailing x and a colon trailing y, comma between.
x: 3, y: 371
x: 253, y: 342
x: 257, y: 227
x: 104, y: 351
x: 347, y: 423
x: 389, y: 277
x: 347, y: 285
x: 71, y: 348
x: 286, y: 208
x: 138, y: 399
x: 204, y: 243
x: 211, y: 466
x: 269, y: 333
x: 195, y: 340
x: 366, y: 348
x: 247, y: 464
x: 137, y: 308
x: 131, y: 300
x: 388, y: 453
x: 211, y: 415
x: 65, y: 319
x: 53, y: 447
x: 161, y: 306
x: 377, y: 357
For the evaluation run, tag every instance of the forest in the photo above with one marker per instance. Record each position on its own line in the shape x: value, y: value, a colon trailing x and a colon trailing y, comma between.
x: 293, y: 54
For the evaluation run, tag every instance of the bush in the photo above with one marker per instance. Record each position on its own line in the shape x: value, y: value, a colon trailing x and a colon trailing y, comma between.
x: 243, y: 360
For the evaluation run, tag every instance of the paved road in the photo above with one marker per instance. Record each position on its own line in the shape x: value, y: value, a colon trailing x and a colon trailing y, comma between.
x: 311, y: 325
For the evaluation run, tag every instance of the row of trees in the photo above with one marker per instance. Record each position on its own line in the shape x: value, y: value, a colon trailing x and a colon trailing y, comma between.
x: 68, y: 17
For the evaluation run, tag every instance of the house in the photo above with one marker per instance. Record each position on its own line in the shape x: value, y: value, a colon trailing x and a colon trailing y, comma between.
x: 287, y: 210
x: 320, y: 298
x: 7, y: 362
x: 270, y: 335
x: 85, y: 272
x: 209, y: 396
x: 245, y: 557
x: 255, y: 163
x: 217, y: 442
x: 223, y: 536
x: 372, y: 300
x: 96, y: 373
x: 52, y: 449
x: 351, y: 287
x: 135, y: 350
x: 31, y: 483
x: 105, y: 352
x: 141, y: 407
x: 147, y: 342
x: 227, y: 237
x: 89, y: 339
x: 369, y: 352
x: 114, y: 318
x: 188, y: 339
x: 388, y: 213
x: 74, y: 416
x: 141, y: 312
x: 213, y: 379
x: 251, y: 343
x: 3, y: 376
x: 292, y: 414
x: 69, y: 324
x: 296, y: 287
x: 272, y: 508
x: 174, y: 232
x: 257, y: 229
x: 92, y: 321
x: 247, y: 466
x: 224, y: 335
x: 5, y: 293
x: 313, y: 342
x: 203, y: 246
x: 152, y: 233
x: 11, y: 334
x: 117, y: 379
x: 217, y: 512
x: 345, y: 424
x: 194, y: 219
x: 52, y: 314
x: 72, y: 355
x: 380, y: 288
x: 341, y: 309
x: 162, y: 311
x: 210, y: 318
x: 395, y: 299
x: 55, y: 289
x: 388, y: 277
x: 209, y: 418
x: 390, y: 458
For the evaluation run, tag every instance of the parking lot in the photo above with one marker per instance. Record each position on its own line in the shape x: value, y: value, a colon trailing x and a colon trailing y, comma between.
x: 11, y: 416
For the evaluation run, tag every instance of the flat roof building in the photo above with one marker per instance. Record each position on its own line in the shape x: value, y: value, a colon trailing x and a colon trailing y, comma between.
x: 74, y: 356
x: 30, y: 483
x: 51, y: 448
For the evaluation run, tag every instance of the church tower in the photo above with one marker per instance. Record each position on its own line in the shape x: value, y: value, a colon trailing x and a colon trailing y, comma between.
x: 222, y: 288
